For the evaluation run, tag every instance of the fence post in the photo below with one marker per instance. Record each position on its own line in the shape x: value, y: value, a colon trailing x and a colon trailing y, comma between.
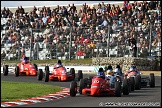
x: 30, y: 44
x: 37, y: 50
x: 70, y: 43
x: 150, y: 38
x: 137, y: 46
x: 117, y: 48
x: 108, y: 40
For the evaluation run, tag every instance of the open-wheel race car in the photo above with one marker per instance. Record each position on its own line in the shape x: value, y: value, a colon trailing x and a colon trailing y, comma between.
x: 136, y: 81
x: 99, y: 86
x: 58, y: 74
x: 27, y: 69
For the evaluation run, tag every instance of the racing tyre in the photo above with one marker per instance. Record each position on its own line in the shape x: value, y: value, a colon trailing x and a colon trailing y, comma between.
x: 46, y: 78
x: 72, y: 71
x: 5, y: 70
x: 80, y: 75
x: 36, y: 67
x: 125, y: 87
x: 132, y: 82
x: 137, y: 82
x: 86, y: 82
x: 89, y: 82
x: 47, y: 68
x: 117, y: 89
x: 73, y: 88
x: 16, y: 71
x: 152, y: 80
x: 81, y: 85
x: 40, y: 74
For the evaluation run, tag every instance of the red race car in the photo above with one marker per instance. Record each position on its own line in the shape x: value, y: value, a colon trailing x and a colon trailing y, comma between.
x: 136, y: 81
x: 27, y: 69
x: 98, y: 86
x: 58, y: 74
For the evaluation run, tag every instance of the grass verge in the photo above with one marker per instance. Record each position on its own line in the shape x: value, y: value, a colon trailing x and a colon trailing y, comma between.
x: 11, y: 91
x: 79, y: 61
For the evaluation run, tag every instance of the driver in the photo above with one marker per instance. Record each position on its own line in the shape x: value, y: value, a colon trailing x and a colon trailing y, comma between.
x: 118, y: 70
x: 59, y: 64
x: 101, y: 73
x: 111, y: 77
x: 135, y: 69
x: 25, y: 60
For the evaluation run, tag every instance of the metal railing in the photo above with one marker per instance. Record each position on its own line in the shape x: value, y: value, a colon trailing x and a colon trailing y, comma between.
x: 62, y: 44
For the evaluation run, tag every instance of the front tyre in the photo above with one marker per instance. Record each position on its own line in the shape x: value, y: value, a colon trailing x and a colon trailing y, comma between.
x: 73, y: 88
x: 5, y: 70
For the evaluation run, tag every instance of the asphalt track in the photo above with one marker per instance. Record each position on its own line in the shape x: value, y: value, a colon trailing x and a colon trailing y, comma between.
x: 146, y: 94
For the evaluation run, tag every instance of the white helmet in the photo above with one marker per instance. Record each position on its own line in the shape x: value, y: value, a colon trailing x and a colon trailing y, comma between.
x: 109, y: 72
x: 131, y: 69
x: 116, y: 70
x: 57, y: 65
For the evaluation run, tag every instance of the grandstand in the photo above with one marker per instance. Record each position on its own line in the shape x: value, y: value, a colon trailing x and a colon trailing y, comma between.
x: 105, y: 30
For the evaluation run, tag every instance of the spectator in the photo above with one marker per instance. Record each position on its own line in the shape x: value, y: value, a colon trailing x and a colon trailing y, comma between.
x: 104, y: 23
x: 80, y: 52
x: 3, y: 54
x: 155, y: 42
x: 73, y: 8
x: 21, y: 10
x: 45, y: 19
x: 132, y: 43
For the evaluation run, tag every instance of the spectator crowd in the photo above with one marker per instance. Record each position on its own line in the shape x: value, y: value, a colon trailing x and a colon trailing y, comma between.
x: 133, y: 24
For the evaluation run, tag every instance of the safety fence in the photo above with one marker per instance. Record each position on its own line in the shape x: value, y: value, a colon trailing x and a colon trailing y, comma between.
x: 83, y: 42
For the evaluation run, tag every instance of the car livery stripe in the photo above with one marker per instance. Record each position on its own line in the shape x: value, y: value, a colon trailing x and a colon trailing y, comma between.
x: 34, y: 100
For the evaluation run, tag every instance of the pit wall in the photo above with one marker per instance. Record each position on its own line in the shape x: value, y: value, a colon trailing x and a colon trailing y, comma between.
x: 142, y: 64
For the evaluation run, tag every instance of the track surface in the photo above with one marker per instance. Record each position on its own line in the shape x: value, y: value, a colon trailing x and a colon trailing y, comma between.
x: 144, y: 95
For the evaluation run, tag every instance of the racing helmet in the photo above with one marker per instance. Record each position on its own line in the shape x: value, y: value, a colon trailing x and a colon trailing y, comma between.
x: 116, y: 70
x: 118, y: 66
x: 134, y: 67
x: 131, y: 68
x: 25, y: 60
x: 59, y: 62
x: 100, y: 70
x: 109, y: 72
x: 109, y: 67
x: 58, y: 65
x: 100, y: 73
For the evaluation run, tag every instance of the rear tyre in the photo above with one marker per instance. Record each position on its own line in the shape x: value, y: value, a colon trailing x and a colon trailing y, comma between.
x: 132, y: 82
x: 117, y: 89
x: 46, y: 74
x: 152, y: 80
x: 89, y: 81
x: 5, y: 70
x: 40, y: 75
x: 16, y: 71
x: 125, y: 87
x: 80, y: 75
x: 47, y: 68
x: 137, y: 82
x: 73, y: 88
x: 81, y: 85
x: 72, y: 71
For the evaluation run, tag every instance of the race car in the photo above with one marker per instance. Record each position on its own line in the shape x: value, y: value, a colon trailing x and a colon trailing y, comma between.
x: 58, y: 74
x: 98, y: 86
x: 136, y: 81
x: 27, y: 69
